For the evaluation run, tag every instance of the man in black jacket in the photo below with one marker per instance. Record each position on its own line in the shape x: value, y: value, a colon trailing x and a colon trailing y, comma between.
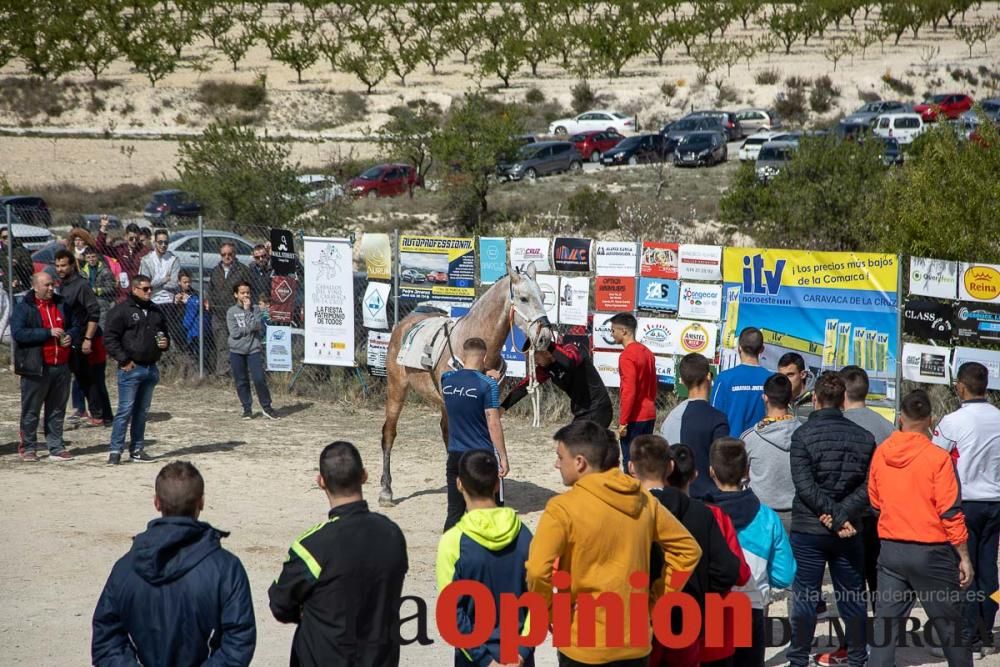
x: 829, y: 458
x: 226, y: 275
x: 136, y: 336
x: 343, y: 578
x: 177, y: 597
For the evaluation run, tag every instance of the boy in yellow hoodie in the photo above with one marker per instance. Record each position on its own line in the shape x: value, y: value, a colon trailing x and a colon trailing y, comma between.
x: 600, y: 532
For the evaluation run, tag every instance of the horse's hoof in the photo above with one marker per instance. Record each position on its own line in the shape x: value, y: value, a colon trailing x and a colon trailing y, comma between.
x: 385, y: 501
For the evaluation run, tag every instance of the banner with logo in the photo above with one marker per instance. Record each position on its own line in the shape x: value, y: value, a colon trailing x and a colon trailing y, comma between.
x: 699, y: 262
x: 439, y: 268
x: 602, y: 332
x: 814, y: 301
x: 616, y: 258
x: 378, y: 350
x: 492, y: 259
x: 284, y: 261
x: 511, y: 353
x: 979, y: 282
x: 665, y: 370
x: 616, y: 293
x: 574, y: 300
x: 571, y: 254
x: 373, y: 306
x: 606, y: 364
x: 930, y: 320
x: 926, y: 363
x: 977, y: 323
x: 933, y: 277
x: 524, y: 251
x: 700, y: 337
x: 549, y: 286
x: 278, y: 347
x: 658, y: 294
x: 376, y: 253
x: 700, y: 301
x: 988, y: 358
x: 283, y: 291
x: 659, y: 260
x: 658, y: 334
x: 329, y: 302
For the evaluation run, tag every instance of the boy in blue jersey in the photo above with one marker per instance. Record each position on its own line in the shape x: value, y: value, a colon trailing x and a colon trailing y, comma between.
x: 738, y: 391
x: 489, y: 545
x: 472, y: 405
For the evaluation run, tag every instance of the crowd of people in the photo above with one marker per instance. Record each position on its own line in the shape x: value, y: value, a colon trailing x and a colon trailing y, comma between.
x: 748, y: 489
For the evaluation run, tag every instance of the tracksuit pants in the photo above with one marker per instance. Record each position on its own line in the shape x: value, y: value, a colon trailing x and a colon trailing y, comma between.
x: 982, y: 519
x: 50, y: 391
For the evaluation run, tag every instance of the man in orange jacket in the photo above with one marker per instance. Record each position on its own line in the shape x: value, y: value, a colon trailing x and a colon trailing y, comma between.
x: 912, y: 483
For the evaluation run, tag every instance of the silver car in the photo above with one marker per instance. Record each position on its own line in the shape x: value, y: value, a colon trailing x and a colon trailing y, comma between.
x: 990, y: 107
x: 773, y: 157
x: 753, y: 121
x: 184, y: 244
x: 866, y: 114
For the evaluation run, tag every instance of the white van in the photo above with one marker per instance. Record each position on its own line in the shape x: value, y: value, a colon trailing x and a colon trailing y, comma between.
x: 903, y: 127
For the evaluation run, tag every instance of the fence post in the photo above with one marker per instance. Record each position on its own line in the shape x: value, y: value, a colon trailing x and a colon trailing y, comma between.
x: 393, y: 264
x: 899, y: 333
x: 10, y: 277
x: 204, y: 294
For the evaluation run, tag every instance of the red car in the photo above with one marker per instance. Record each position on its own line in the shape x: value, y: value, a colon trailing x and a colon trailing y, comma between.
x: 592, y: 145
x: 950, y: 105
x: 437, y: 277
x: 385, y: 180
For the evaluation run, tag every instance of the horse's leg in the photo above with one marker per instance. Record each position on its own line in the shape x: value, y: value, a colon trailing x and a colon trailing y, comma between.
x: 393, y: 406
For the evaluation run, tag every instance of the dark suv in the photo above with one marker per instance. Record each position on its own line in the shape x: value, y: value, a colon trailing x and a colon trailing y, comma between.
x: 171, y: 203
x: 26, y: 209
x: 728, y: 119
x: 638, y: 149
x: 539, y: 159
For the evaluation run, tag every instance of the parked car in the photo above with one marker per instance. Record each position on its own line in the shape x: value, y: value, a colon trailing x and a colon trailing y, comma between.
x: 773, y: 157
x: 92, y: 222
x: 597, y: 119
x: 990, y: 107
x: 171, y: 203
x: 413, y: 276
x: 852, y: 131
x: 727, y: 119
x: 678, y: 129
x: 867, y: 113
x: 31, y: 237
x: 184, y: 244
x: 385, y: 180
x: 437, y: 277
x: 751, y: 145
x: 701, y: 148
x: 592, y: 145
x: 892, y: 152
x: 523, y: 139
x: 26, y: 209
x: 320, y: 189
x: 903, y: 127
x: 755, y: 120
x: 640, y: 149
x: 948, y: 105
x: 540, y: 159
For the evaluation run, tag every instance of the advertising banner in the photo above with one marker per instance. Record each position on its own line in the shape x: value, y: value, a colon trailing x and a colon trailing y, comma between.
x: 378, y: 350
x: 979, y: 282
x: 602, y: 332
x: 511, y: 353
x: 549, y: 285
x: 439, y: 268
x: 926, y: 363
x: 283, y: 291
x: 284, y: 261
x: 933, y: 277
x: 815, y: 301
x: 329, y: 302
x: 977, y: 323
x: 571, y: 254
x: 988, y: 358
x: 525, y: 251
x: 665, y: 370
x: 700, y: 301
x: 616, y: 258
x: 658, y: 294
x: 700, y: 337
x: 615, y: 293
x: 492, y: 259
x: 658, y: 334
x: 278, y: 344
x: 931, y: 320
x: 699, y: 262
x: 659, y: 260
x: 376, y: 252
x: 606, y: 364
x: 574, y: 300
x: 373, y: 307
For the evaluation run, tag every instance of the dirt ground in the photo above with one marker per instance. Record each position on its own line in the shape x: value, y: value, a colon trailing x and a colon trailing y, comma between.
x: 66, y: 524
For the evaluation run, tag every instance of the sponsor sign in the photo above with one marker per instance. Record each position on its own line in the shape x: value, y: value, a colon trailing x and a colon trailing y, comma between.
x: 606, y: 364
x: 977, y: 322
x: 329, y: 302
x: 283, y: 291
x: 700, y: 301
x: 979, y: 282
x: 658, y: 294
x: 933, y: 277
x: 376, y: 252
x: 699, y: 262
x: 571, y: 254
x: 574, y: 300
x: 511, y: 353
x: 373, y: 306
x: 378, y: 350
x: 930, y: 320
x: 602, y: 332
x: 438, y: 268
x: 658, y: 334
x: 492, y: 259
x: 659, y: 260
x: 665, y: 369
x: 616, y: 258
x: 700, y: 337
x: 988, y: 358
x: 615, y: 293
x: 525, y: 251
x: 284, y: 261
x: 926, y: 363
x: 549, y: 286
x: 278, y: 343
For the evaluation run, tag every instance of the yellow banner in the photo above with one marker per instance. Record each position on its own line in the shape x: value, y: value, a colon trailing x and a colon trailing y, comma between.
x: 762, y: 270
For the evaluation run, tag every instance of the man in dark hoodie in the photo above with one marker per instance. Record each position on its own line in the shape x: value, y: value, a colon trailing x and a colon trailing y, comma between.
x: 489, y: 545
x: 177, y: 598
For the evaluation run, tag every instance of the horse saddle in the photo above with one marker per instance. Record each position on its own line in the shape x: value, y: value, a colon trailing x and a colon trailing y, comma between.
x: 424, y: 343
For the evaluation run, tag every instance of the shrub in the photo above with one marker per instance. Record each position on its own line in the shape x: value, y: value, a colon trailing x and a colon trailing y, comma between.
x: 868, y: 96
x: 353, y: 107
x: 584, y: 97
x: 823, y: 94
x: 767, y: 77
x: 727, y: 94
x: 898, y: 86
x: 534, y: 96
x: 798, y: 82
x: 791, y: 105
x: 669, y: 89
x: 245, y: 97
x: 593, y: 209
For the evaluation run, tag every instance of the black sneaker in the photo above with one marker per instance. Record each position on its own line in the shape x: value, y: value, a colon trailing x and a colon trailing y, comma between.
x: 270, y: 413
x: 248, y: 414
x: 114, y: 458
x: 140, y: 457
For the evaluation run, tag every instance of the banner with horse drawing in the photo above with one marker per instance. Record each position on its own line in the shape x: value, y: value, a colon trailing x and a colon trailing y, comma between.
x: 329, y: 302
x: 437, y: 268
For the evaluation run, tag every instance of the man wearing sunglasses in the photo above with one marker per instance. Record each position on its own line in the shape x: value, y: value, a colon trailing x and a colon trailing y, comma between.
x: 129, y: 254
x: 163, y: 269
x: 226, y: 275
x: 261, y: 271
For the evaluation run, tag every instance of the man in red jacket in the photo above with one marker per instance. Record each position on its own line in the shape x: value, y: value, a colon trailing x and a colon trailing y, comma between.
x: 637, y: 373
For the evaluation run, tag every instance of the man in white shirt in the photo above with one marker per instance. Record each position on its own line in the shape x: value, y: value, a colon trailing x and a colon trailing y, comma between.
x: 972, y: 435
x: 163, y: 269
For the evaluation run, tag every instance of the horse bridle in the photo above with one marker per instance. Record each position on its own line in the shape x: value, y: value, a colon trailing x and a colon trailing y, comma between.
x: 542, y: 320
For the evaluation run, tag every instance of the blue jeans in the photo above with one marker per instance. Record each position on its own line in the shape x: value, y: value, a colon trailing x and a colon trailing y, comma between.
x: 983, y: 521
x: 632, y: 431
x: 247, y: 367
x: 135, y: 393
x: 847, y: 567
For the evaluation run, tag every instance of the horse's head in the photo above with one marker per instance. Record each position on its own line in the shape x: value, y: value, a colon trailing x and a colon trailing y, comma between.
x: 529, y: 309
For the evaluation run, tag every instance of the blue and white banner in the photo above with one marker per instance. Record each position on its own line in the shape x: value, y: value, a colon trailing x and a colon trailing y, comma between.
x: 658, y: 294
x: 492, y: 259
x: 278, y: 344
x: 373, y: 307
